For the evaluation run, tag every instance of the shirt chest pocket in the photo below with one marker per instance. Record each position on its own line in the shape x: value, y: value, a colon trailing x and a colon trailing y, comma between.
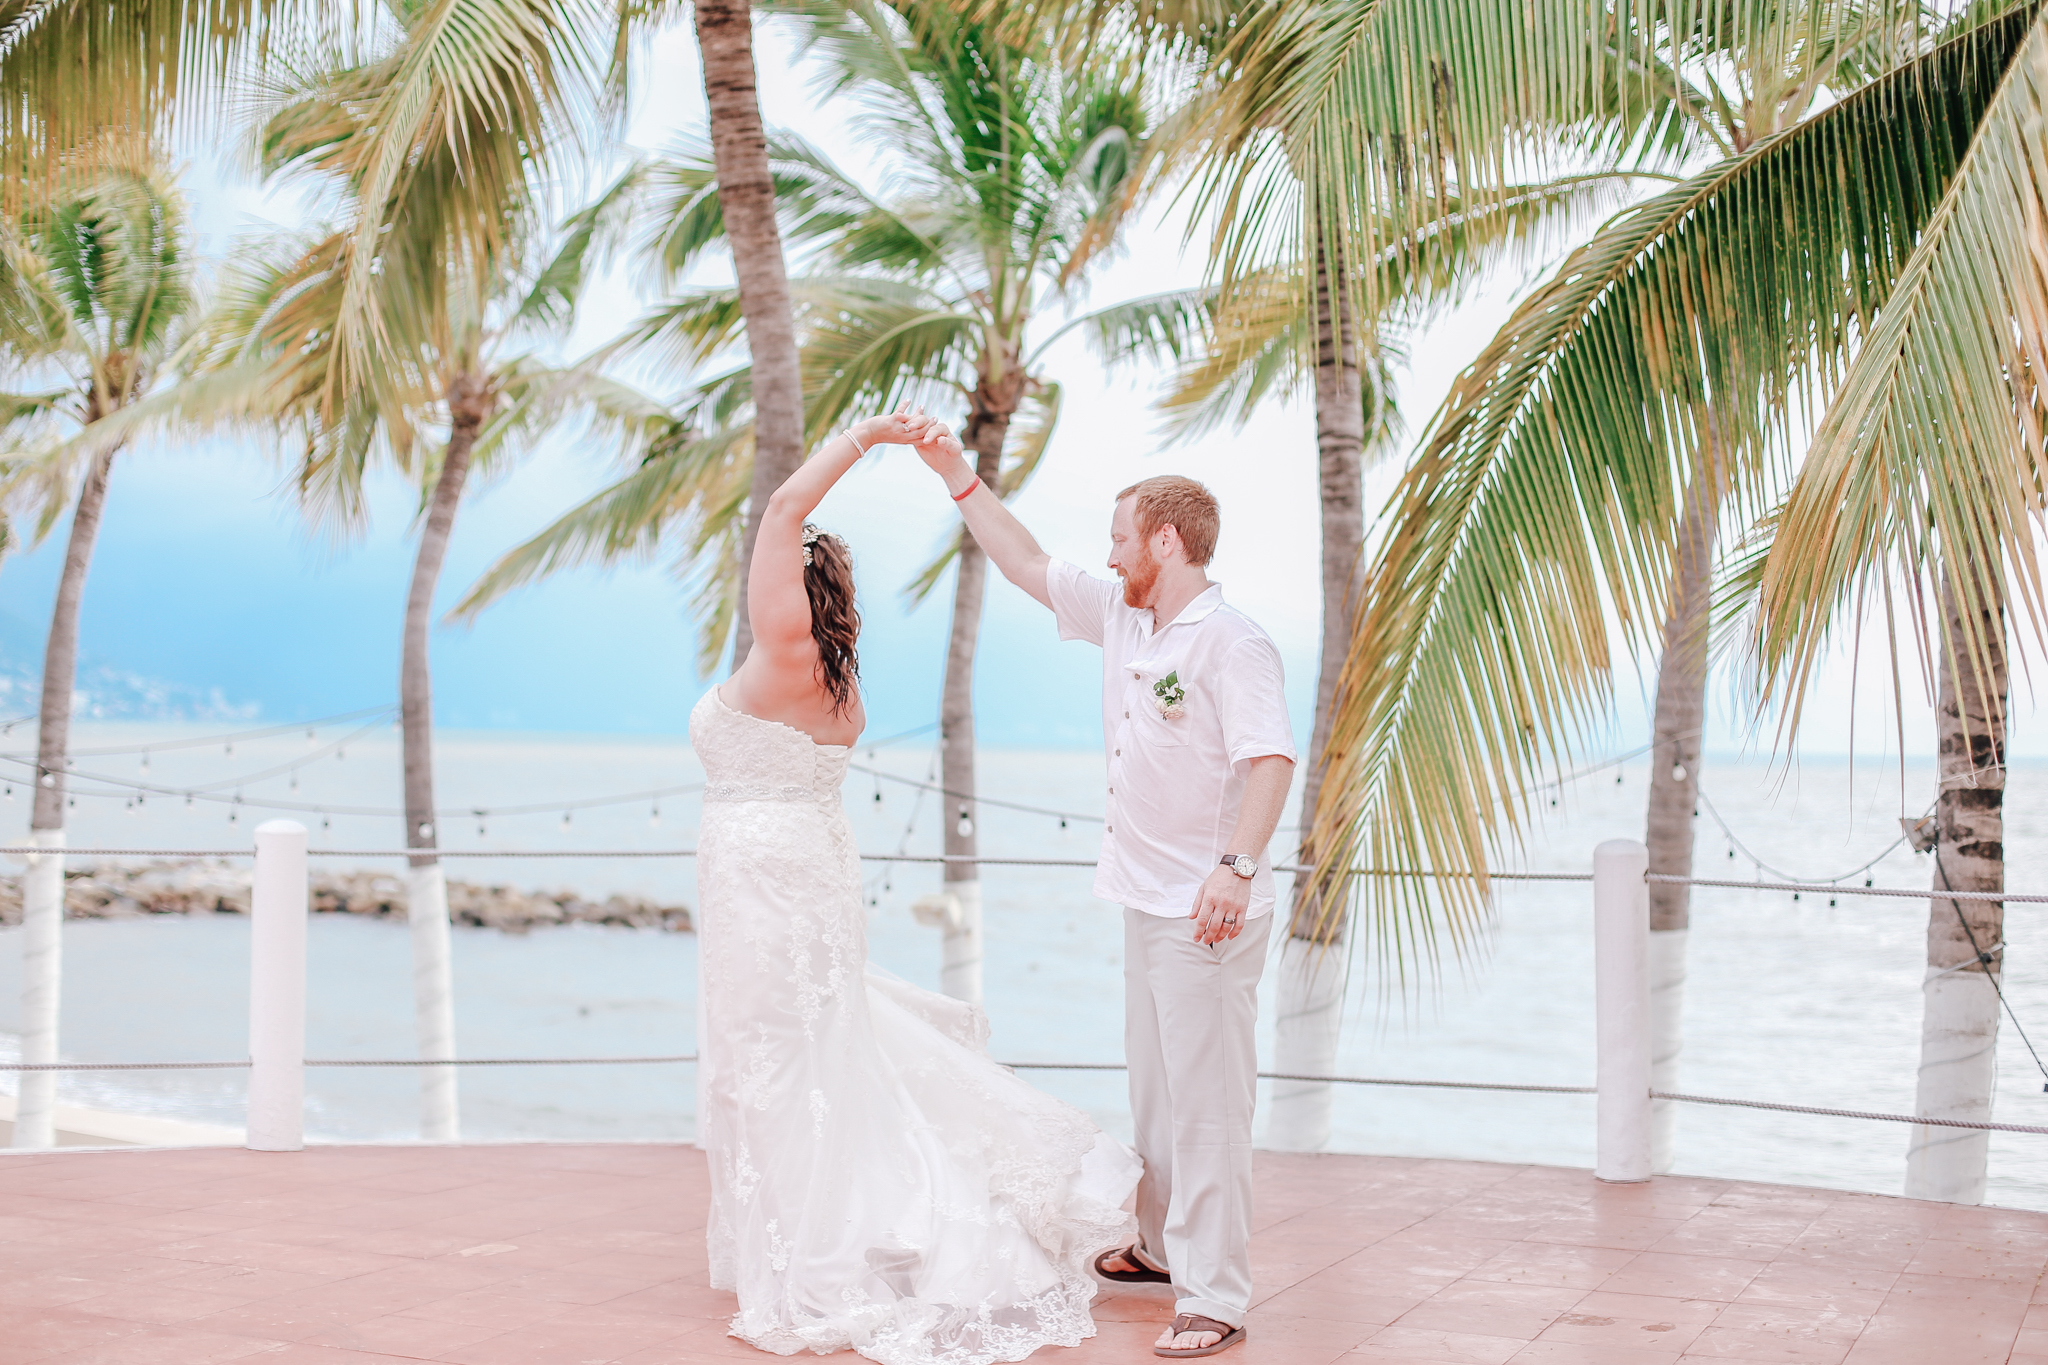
x: 1153, y: 730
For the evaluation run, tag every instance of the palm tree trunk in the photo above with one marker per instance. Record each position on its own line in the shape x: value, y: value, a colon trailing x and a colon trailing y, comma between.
x: 469, y: 400
x: 961, y: 977
x: 746, y: 196
x: 1310, y: 994
x: 1675, y: 787
x: 42, y: 917
x: 1965, y: 939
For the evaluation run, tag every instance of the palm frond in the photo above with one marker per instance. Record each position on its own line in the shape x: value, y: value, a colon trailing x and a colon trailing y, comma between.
x: 1931, y: 454
x: 1546, y: 497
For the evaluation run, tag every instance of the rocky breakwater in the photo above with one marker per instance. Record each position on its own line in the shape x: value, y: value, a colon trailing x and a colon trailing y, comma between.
x: 217, y: 888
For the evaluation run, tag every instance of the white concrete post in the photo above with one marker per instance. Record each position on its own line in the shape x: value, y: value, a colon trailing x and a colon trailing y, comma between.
x: 433, y: 999
x: 1667, y: 1040
x: 1621, y: 989
x: 42, y: 983
x: 277, y: 990
x: 956, y: 913
x: 1309, y: 1007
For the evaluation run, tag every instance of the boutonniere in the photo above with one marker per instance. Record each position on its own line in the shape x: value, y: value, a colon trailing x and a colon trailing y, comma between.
x: 1169, y: 696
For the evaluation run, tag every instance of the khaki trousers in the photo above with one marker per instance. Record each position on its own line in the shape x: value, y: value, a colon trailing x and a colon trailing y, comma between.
x: 1189, y: 1015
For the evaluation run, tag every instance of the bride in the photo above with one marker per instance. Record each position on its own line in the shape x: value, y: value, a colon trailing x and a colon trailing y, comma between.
x: 876, y: 1181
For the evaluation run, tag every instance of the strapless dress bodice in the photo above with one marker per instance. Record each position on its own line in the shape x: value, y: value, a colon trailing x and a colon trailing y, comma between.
x: 747, y: 758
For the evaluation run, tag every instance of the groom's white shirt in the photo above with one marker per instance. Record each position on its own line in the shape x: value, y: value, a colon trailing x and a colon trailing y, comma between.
x: 1175, y: 785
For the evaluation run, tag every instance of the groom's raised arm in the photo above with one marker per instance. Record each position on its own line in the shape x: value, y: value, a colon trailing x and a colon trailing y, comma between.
x: 1001, y: 536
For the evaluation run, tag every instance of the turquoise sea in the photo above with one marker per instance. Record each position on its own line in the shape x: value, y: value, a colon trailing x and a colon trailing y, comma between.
x: 1801, y: 1001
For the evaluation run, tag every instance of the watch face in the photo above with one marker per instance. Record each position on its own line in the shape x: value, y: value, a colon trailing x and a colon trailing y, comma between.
x: 1244, y: 867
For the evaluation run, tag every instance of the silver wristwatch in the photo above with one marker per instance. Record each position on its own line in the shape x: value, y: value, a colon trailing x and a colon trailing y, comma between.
x: 1243, y: 864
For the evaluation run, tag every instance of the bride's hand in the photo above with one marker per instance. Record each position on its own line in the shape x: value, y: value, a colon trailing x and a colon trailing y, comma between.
x: 904, y: 427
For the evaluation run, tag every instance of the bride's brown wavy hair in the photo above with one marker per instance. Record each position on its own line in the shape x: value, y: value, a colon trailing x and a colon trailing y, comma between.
x: 835, y: 623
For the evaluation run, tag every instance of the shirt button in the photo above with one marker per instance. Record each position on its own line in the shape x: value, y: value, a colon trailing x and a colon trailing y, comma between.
x: 1119, y: 753
x: 1127, y: 715
x: 1134, y: 675
x: 1112, y: 829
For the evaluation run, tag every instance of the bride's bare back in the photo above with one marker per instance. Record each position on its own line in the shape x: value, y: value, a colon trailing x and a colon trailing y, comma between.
x: 789, y: 693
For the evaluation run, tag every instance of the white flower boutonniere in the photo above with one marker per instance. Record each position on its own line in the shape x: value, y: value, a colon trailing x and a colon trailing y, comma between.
x: 1170, y: 697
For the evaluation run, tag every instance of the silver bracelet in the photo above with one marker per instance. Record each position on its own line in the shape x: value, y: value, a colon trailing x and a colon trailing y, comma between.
x: 860, y: 451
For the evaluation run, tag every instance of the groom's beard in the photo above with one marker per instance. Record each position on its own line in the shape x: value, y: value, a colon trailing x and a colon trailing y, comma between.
x: 1140, y: 577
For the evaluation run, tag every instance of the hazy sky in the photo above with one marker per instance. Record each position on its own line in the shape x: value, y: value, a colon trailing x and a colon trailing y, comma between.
x: 206, y: 577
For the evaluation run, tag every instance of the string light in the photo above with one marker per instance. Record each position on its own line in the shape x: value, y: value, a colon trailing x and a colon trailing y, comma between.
x: 654, y: 816
x: 565, y: 819
x: 426, y: 829
x: 966, y: 825
x: 145, y: 760
x: 312, y: 740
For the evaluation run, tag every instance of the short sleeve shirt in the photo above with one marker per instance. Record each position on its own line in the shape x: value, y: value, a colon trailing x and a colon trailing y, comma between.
x: 1175, y: 782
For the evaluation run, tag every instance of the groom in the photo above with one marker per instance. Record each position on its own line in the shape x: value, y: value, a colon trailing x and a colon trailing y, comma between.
x: 1200, y: 758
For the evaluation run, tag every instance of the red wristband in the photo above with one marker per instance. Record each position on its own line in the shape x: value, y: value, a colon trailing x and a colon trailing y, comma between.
x: 961, y: 496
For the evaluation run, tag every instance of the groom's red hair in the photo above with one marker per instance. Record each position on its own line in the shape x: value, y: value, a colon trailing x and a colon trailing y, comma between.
x: 1183, y: 504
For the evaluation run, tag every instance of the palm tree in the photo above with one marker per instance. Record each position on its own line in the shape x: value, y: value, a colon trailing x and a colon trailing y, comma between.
x: 1024, y: 172
x: 746, y: 199
x: 1646, y: 392
x: 96, y: 286
x: 403, y: 322
x: 1899, y: 491
x: 1280, y: 325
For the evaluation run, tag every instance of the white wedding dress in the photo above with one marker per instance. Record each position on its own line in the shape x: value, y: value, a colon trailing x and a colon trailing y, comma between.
x: 876, y: 1181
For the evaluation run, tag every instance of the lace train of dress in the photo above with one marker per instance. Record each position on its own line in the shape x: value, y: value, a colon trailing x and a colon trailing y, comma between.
x: 877, y: 1182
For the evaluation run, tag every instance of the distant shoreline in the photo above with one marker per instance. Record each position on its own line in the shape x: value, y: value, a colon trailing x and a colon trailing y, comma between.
x: 192, y: 886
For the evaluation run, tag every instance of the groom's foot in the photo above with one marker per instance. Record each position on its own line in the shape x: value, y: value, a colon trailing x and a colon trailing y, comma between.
x: 1192, y: 1334
x: 1129, y: 1266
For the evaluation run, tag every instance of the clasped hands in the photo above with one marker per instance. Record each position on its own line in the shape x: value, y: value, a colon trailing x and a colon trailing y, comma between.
x: 934, y: 441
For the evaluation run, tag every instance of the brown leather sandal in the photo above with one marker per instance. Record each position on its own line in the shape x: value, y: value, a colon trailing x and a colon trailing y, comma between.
x: 1142, y: 1274
x: 1195, y: 1322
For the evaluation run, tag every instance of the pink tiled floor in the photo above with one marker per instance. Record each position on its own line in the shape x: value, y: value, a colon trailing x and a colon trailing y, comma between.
x: 585, y: 1255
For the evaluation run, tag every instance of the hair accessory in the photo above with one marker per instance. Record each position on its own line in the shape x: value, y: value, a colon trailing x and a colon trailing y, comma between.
x: 811, y: 534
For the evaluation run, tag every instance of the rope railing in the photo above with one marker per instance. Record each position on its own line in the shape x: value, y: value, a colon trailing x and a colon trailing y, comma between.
x: 1409, y: 1082
x: 1293, y: 869
x: 1616, y: 907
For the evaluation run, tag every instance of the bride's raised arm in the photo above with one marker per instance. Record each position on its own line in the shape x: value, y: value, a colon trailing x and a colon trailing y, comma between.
x: 778, y: 608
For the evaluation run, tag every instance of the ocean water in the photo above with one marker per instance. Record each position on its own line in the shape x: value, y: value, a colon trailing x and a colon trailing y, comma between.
x: 1801, y: 1001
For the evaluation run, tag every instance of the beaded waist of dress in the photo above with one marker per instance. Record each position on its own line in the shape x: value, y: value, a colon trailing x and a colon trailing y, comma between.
x: 755, y: 791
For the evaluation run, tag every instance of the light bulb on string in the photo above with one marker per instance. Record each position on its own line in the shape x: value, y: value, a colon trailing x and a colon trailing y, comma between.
x: 188, y: 800
x: 49, y: 779
x: 230, y: 748
x: 145, y: 760
x: 312, y: 740
x: 966, y: 824
x: 10, y: 793
x: 479, y: 822
x: 325, y: 823
x: 426, y: 828
x: 565, y: 819
x: 295, y: 779
x: 1678, y: 772
x: 654, y: 816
